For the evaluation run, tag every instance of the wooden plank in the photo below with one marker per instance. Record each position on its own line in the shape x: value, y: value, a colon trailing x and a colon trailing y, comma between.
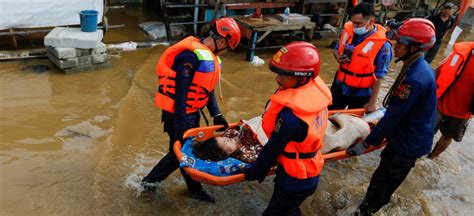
x: 272, y: 24
x: 289, y: 27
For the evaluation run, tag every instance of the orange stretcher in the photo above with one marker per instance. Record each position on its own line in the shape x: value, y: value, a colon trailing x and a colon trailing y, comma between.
x: 203, y: 133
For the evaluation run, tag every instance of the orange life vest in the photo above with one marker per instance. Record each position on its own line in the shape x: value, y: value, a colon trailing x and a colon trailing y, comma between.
x: 204, y: 80
x: 359, y: 72
x: 451, y: 68
x: 309, y: 103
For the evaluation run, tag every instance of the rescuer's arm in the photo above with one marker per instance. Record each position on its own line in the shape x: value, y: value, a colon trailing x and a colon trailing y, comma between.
x: 185, y: 65
x: 371, y: 105
x: 212, y: 105
x: 339, y: 58
x: 218, y: 118
x: 406, y: 95
x: 287, y: 127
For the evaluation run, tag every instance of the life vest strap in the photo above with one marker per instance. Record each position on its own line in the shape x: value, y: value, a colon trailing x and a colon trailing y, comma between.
x: 167, y: 77
x: 197, y: 99
x: 207, y: 92
x: 171, y: 95
x: 192, y: 107
x: 344, y: 70
x: 162, y: 91
x: 293, y: 155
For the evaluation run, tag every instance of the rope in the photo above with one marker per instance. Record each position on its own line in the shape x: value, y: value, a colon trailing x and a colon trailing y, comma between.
x: 204, y: 116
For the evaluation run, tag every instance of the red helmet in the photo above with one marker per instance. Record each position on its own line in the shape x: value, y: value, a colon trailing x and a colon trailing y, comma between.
x: 227, y: 28
x: 296, y: 59
x: 416, y: 31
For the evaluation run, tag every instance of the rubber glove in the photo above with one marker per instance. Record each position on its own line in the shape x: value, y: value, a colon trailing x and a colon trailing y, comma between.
x: 357, y: 149
x: 220, y: 120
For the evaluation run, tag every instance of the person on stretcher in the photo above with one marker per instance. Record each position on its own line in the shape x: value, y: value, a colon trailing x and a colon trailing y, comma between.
x: 246, y: 141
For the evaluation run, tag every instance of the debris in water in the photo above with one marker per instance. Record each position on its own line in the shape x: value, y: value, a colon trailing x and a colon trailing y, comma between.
x: 257, y: 61
x: 40, y: 68
x: 83, y: 129
x: 127, y: 46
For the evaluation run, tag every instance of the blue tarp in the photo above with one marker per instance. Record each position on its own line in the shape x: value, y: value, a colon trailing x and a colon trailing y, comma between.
x: 227, y: 167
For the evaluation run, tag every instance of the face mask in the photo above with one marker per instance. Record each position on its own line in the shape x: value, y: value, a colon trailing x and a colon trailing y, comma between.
x: 361, y: 30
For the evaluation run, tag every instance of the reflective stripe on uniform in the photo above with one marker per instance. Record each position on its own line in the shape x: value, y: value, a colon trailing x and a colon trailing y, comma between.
x: 203, y: 55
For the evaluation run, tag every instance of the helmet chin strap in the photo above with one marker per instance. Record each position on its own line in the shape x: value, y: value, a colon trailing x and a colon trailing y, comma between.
x: 407, y: 55
x: 216, y: 50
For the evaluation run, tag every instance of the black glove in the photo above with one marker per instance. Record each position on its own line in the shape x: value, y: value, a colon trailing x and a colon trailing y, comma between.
x: 357, y: 149
x: 220, y: 120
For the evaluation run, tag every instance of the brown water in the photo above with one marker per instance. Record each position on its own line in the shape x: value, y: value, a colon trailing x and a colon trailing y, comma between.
x: 79, y: 144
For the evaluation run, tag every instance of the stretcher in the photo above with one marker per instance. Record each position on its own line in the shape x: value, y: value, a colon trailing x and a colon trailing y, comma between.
x: 203, y: 133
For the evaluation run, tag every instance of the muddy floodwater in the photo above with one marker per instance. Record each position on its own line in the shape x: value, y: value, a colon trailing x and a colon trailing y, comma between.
x: 79, y: 144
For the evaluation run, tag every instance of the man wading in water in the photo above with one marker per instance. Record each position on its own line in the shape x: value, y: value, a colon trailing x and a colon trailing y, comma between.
x: 187, y: 74
x: 408, y: 123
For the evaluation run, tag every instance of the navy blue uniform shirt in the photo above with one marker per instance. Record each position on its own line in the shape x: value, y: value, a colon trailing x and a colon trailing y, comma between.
x: 408, y: 123
x: 291, y: 129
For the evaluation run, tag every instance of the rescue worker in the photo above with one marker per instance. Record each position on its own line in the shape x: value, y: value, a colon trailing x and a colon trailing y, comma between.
x: 455, y: 80
x: 295, y: 121
x: 408, y: 124
x: 364, y: 55
x: 187, y: 73
x: 443, y: 22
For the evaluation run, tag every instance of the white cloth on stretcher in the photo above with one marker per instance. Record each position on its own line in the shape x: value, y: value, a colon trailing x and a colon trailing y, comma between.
x: 255, y: 125
x: 45, y: 13
x: 341, y: 132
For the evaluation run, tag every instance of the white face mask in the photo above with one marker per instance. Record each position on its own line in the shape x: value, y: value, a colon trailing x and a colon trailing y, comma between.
x: 361, y: 30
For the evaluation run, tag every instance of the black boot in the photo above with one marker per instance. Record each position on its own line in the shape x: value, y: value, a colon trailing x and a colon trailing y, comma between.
x: 148, y: 186
x: 201, y: 194
x: 364, y: 210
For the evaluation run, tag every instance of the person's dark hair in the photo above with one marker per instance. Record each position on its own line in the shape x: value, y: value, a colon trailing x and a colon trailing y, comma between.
x: 366, y: 9
x: 208, y: 150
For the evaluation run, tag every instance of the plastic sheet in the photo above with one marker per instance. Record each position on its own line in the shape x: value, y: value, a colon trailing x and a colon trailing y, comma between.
x: 45, y: 13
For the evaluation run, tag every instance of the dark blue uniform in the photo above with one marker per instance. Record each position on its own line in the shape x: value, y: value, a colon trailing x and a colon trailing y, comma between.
x: 408, y: 126
x: 288, y: 192
x: 176, y: 124
x: 344, y: 95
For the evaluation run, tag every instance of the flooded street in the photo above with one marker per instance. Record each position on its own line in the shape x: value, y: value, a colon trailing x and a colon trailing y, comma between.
x: 79, y: 144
